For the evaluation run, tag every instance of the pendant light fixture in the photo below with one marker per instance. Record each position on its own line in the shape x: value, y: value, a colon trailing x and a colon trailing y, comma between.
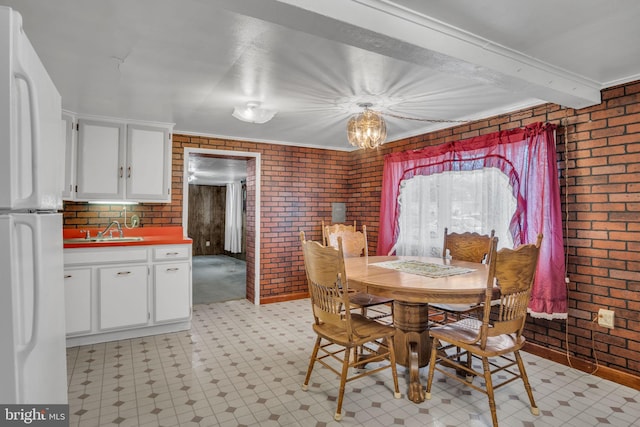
x: 367, y: 129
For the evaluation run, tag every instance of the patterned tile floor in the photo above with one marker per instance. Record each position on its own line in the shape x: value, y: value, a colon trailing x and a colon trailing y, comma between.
x: 243, y: 365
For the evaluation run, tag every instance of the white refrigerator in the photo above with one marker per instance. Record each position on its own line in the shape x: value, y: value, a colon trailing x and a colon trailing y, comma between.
x: 32, y: 313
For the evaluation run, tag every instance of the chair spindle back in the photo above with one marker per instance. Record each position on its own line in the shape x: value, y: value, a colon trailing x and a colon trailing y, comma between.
x: 513, y: 271
x: 471, y: 247
x: 327, y: 282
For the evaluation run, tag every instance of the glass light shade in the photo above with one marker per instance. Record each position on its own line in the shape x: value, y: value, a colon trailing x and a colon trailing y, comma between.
x: 252, y: 113
x: 366, y: 130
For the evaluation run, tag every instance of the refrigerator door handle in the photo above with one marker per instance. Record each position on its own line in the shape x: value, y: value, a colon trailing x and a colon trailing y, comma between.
x: 21, y: 74
x: 26, y: 347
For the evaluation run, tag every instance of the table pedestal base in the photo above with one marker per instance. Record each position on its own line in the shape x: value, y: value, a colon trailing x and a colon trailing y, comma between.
x: 412, y: 343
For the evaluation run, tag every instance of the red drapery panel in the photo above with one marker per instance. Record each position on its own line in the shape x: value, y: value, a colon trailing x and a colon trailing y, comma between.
x: 528, y: 157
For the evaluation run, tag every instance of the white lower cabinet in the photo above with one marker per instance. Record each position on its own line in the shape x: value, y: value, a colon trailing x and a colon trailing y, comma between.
x: 124, y: 292
x: 77, y: 293
x: 172, y: 291
x: 123, y: 296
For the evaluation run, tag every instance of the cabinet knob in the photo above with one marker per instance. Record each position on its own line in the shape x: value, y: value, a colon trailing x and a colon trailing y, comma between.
x: 173, y: 269
x: 123, y: 273
x: 67, y: 276
x: 171, y: 253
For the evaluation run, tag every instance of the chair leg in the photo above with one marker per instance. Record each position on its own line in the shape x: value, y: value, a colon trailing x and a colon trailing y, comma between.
x: 469, y: 376
x: 489, y: 386
x: 343, y: 382
x: 312, y: 361
x: 394, y: 370
x: 432, y: 366
x: 527, y: 386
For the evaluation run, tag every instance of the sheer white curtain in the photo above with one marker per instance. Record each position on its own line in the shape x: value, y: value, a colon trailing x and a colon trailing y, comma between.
x: 476, y: 201
x: 528, y: 157
x: 233, y: 218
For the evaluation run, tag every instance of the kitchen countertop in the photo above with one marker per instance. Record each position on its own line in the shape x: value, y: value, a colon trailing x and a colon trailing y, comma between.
x: 150, y: 236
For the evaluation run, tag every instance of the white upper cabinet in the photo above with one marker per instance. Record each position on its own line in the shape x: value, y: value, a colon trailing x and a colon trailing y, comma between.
x: 120, y: 161
x: 69, y: 137
x: 148, y: 163
x: 100, y: 161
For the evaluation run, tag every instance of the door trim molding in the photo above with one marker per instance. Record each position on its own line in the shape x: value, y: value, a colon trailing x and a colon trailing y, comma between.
x: 185, y: 200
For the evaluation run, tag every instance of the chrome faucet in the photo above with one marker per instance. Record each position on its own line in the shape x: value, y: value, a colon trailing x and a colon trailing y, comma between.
x: 103, y: 232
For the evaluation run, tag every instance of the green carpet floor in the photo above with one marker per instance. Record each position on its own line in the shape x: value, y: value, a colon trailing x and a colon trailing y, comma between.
x: 218, y: 278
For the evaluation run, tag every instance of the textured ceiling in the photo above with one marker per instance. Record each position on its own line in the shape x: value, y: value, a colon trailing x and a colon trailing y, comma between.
x: 190, y: 62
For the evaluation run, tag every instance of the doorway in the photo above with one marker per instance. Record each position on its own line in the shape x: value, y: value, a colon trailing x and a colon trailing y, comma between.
x: 206, y: 170
x: 218, y: 278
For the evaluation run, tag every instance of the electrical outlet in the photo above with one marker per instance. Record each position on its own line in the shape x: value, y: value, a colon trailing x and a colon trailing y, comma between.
x: 605, y: 318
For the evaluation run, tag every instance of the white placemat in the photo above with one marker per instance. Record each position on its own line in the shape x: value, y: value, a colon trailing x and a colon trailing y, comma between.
x: 423, y: 268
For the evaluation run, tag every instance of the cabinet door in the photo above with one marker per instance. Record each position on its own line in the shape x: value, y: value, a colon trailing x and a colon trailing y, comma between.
x: 148, y: 163
x: 172, y: 291
x: 123, y: 296
x: 68, y: 136
x: 77, y: 300
x: 100, y: 160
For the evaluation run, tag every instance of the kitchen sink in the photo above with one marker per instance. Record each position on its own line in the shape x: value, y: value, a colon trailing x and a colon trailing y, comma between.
x: 103, y: 240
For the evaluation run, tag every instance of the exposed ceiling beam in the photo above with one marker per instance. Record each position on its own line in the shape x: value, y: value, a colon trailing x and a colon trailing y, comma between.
x: 385, y: 28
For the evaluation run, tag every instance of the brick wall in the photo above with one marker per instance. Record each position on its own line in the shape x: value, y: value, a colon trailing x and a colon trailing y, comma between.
x: 601, y: 189
x: 79, y: 215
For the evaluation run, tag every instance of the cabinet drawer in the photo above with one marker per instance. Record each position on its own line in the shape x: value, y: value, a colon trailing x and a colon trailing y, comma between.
x: 166, y: 253
x: 94, y: 256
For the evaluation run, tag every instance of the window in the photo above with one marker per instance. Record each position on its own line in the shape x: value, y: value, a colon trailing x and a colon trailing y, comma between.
x: 475, y: 201
x: 527, y: 156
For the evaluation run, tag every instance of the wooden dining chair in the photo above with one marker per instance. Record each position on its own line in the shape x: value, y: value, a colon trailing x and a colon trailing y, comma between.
x: 340, y: 332
x: 512, y: 272
x: 354, y: 244
x: 470, y: 247
x: 333, y: 228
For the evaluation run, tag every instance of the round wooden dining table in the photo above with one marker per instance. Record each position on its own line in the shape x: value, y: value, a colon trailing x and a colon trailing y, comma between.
x: 413, y: 283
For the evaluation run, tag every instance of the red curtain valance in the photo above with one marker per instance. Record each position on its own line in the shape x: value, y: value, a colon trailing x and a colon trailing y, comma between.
x: 528, y: 157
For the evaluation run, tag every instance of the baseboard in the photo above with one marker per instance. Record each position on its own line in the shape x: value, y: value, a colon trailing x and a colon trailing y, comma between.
x: 605, y: 372
x: 282, y: 298
x: 97, y: 338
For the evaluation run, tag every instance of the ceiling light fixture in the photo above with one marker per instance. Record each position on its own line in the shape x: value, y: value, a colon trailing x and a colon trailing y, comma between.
x: 252, y: 113
x: 367, y: 129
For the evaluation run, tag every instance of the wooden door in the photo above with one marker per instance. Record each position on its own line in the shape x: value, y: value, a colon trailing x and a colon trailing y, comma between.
x: 207, y: 207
